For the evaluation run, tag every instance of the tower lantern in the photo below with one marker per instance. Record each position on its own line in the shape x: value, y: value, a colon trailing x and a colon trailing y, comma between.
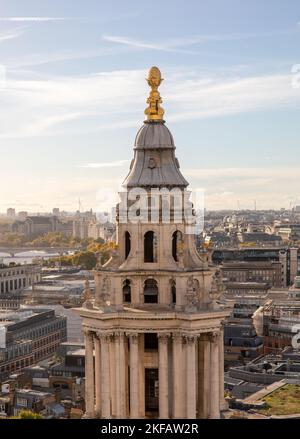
x: 155, y: 326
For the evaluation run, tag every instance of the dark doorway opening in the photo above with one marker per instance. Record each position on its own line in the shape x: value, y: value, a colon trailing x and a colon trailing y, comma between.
x: 127, y: 244
x: 126, y: 291
x: 150, y: 341
x: 173, y: 292
x: 151, y: 390
x: 174, y: 246
x: 149, y: 247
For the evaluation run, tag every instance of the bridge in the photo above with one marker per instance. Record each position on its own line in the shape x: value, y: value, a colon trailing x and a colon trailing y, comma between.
x: 15, y: 251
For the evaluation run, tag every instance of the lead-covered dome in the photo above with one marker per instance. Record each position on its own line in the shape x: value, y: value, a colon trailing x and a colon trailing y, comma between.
x: 154, y: 135
x: 154, y: 163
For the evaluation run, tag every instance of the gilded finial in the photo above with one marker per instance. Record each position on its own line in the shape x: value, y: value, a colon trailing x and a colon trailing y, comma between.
x: 154, y: 111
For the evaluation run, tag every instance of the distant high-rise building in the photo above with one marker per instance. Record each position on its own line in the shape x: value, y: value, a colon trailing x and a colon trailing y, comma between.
x: 14, y: 279
x: 101, y: 230
x: 22, y: 215
x: 34, y: 226
x: 55, y: 211
x: 11, y: 213
x: 113, y: 214
x: 28, y: 336
x: 80, y: 228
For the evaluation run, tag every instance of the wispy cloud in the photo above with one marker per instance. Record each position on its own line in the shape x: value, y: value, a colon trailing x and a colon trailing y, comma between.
x: 176, y: 44
x: 100, y: 19
x: 163, y: 46
x: 227, y: 187
x: 244, y: 173
x: 52, y: 105
x: 59, y: 56
x: 121, y: 44
x: 32, y: 19
x: 41, y: 125
x: 10, y: 35
x: 243, y: 187
x: 114, y: 164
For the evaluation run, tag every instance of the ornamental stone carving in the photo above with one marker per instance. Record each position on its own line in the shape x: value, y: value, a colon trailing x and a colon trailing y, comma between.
x: 105, y: 291
x: 152, y: 163
x: 190, y: 338
x: 192, y: 300
x: 214, y: 336
x: 87, y: 296
x: 99, y: 260
x: 217, y: 287
x: 163, y: 337
x: 88, y: 333
x: 133, y: 338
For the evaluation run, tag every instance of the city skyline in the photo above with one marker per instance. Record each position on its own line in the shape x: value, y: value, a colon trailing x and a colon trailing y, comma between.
x: 227, y: 94
x: 149, y: 213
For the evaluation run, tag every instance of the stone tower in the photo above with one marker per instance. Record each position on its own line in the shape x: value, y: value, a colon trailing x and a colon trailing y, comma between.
x: 153, y: 333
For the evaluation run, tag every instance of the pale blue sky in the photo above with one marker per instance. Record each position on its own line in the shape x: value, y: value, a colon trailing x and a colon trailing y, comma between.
x: 73, y: 96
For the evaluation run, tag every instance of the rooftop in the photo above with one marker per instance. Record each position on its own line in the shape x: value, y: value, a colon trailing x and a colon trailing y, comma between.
x: 35, y: 393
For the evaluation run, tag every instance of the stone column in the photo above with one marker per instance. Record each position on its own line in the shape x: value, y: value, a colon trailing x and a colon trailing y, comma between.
x: 223, y: 403
x: 134, y: 375
x: 98, y: 375
x: 112, y: 375
x: 191, y: 377
x: 178, y: 383
x: 120, y: 375
x: 163, y: 378
x: 105, y: 377
x: 204, y: 376
x: 123, y: 372
x: 115, y: 385
x: 141, y: 343
x: 89, y: 375
x: 214, y: 377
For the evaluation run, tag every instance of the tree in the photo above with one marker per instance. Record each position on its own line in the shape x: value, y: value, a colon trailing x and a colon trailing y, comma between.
x: 51, y: 239
x: 12, y: 239
x: 87, y: 259
x: 104, y: 249
x: 27, y: 414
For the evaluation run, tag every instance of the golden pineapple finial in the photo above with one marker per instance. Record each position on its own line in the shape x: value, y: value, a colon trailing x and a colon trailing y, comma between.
x: 154, y: 111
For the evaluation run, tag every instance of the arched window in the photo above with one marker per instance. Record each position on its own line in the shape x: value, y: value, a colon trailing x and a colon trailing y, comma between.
x: 173, y: 291
x: 127, y: 291
x: 149, y: 247
x: 127, y: 244
x: 176, y: 240
x: 150, y: 291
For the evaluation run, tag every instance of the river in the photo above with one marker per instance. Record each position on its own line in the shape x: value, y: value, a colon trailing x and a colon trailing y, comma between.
x: 26, y: 257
